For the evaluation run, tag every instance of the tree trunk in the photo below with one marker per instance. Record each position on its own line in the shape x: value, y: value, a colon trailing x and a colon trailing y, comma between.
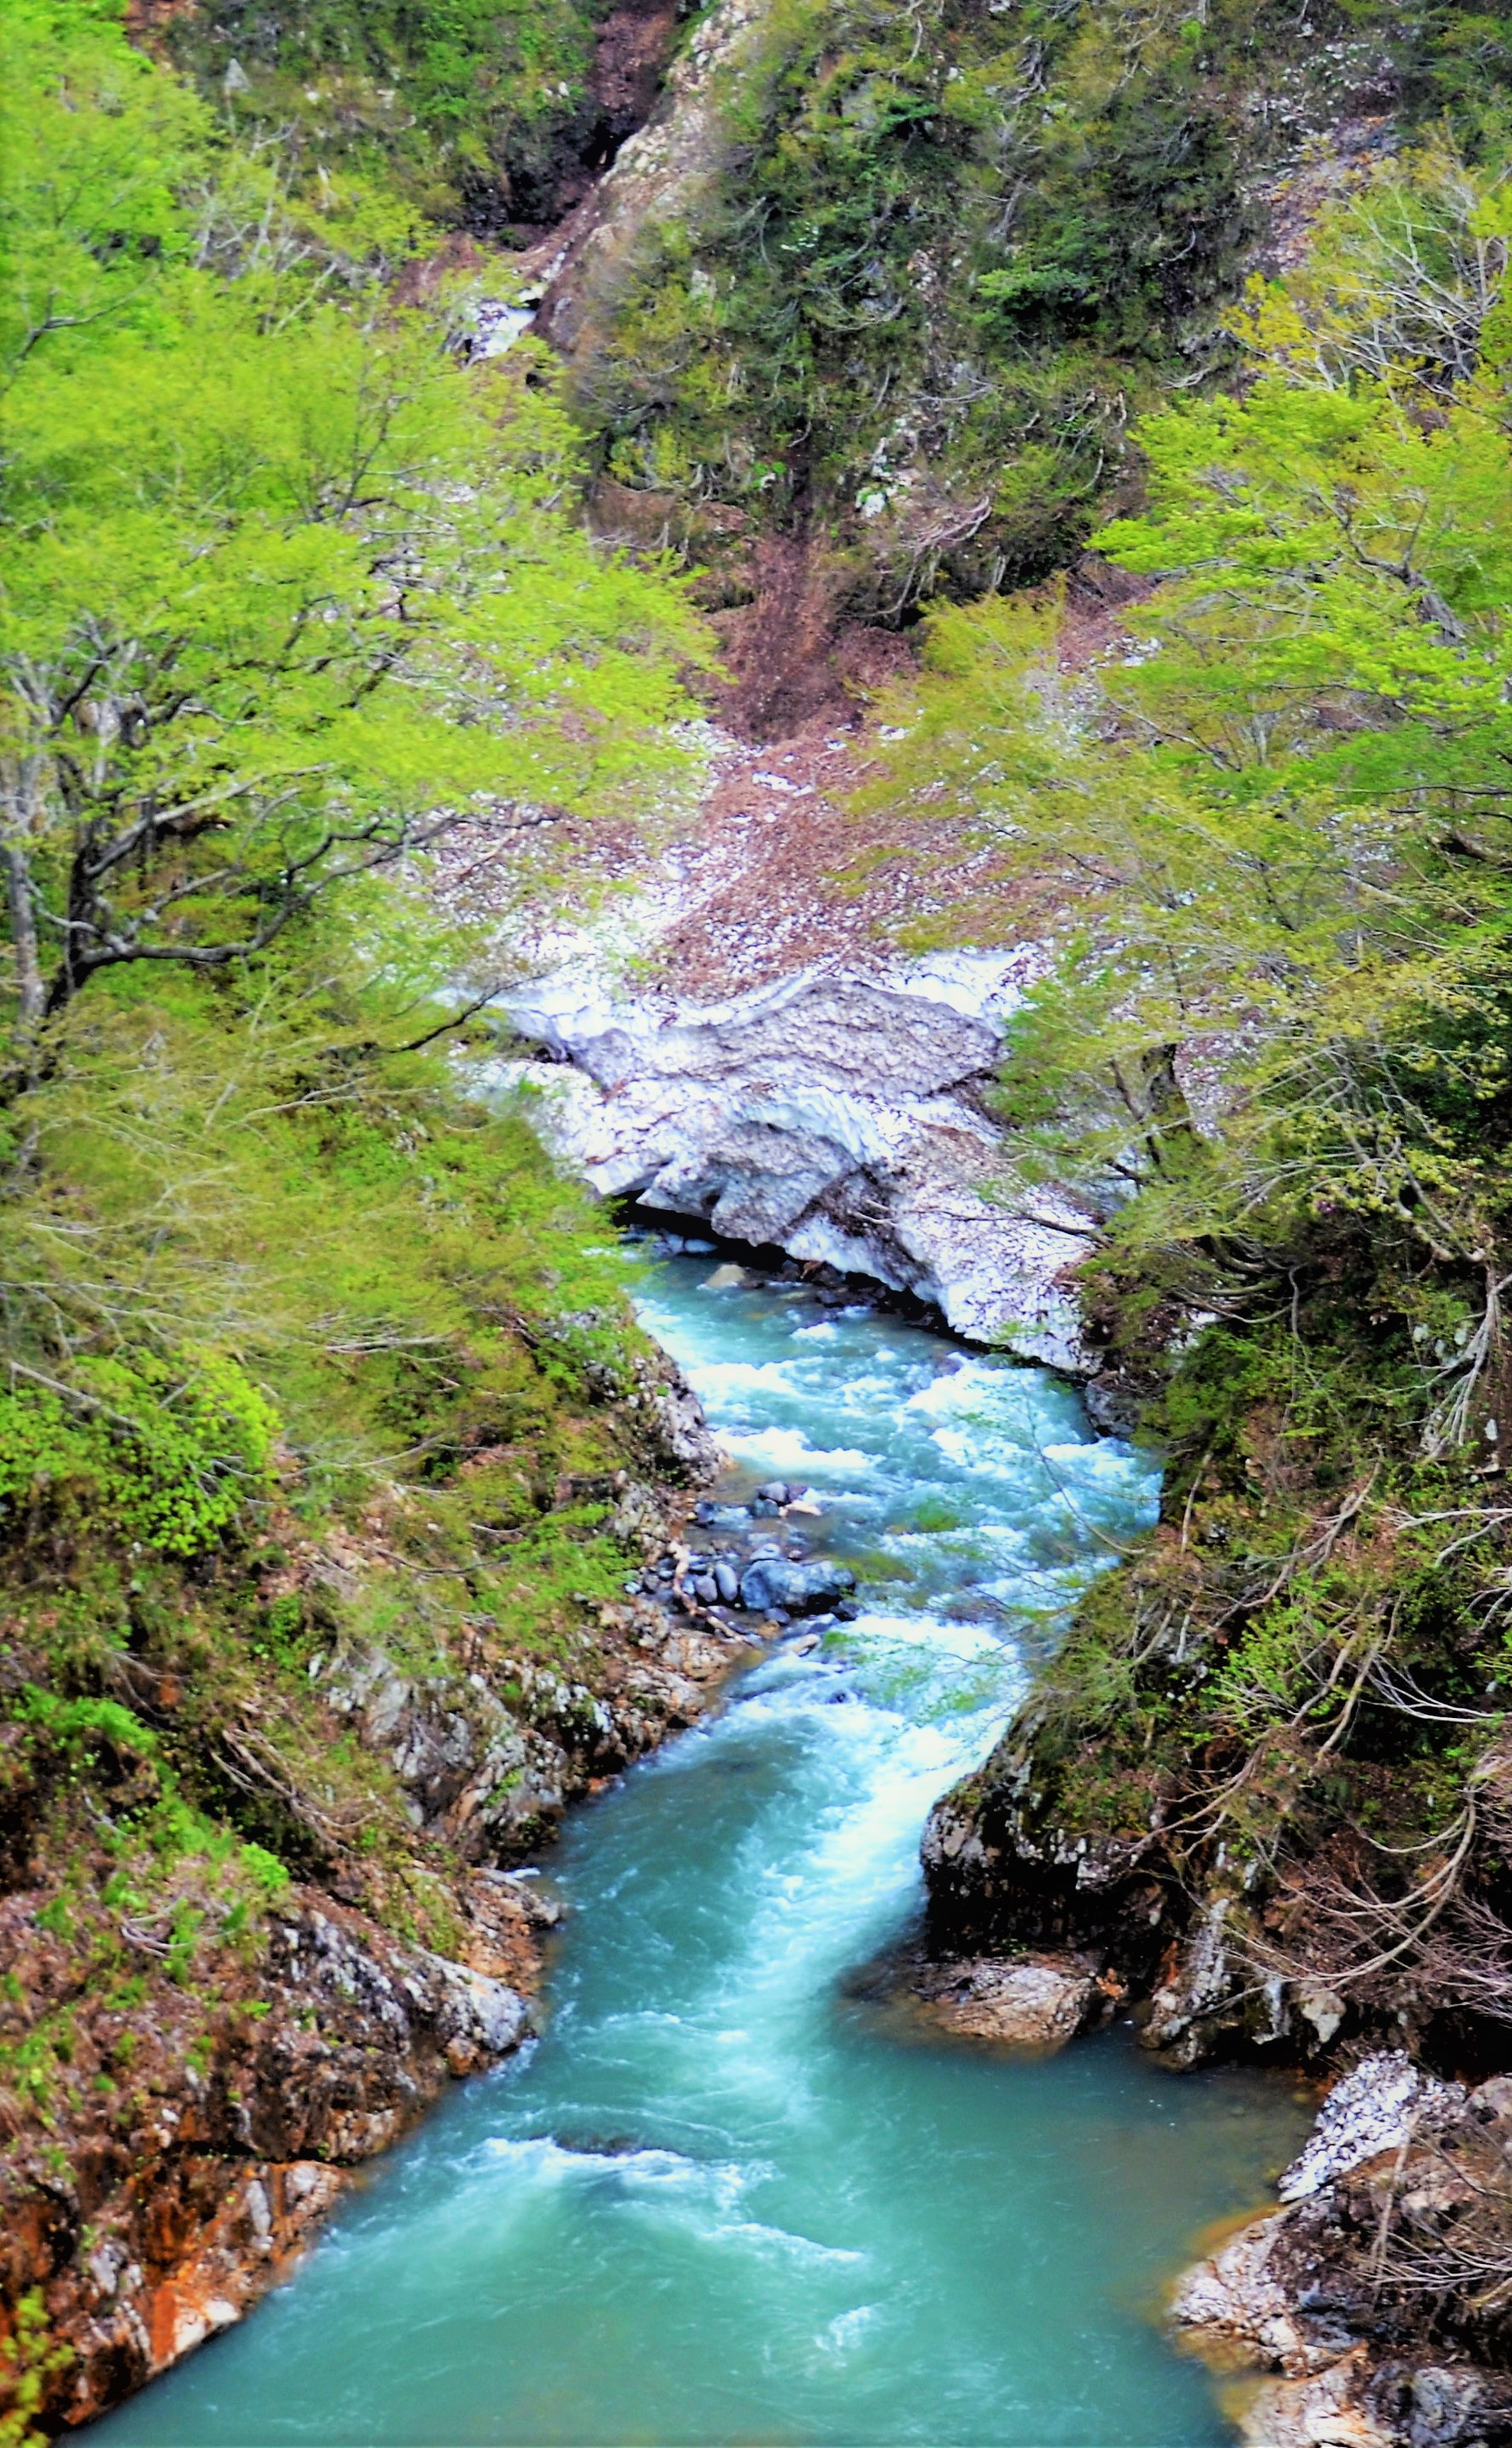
x: 1170, y: 1117
x: 30, y: 991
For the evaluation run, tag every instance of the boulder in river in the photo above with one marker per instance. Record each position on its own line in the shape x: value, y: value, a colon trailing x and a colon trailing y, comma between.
x: 798, y: 1588
x: 1030, y: 2001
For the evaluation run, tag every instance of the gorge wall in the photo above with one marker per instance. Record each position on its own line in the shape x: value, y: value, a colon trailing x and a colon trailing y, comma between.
x: 200, y: 2048
x: 835, y: 1116
x: 855, y: 309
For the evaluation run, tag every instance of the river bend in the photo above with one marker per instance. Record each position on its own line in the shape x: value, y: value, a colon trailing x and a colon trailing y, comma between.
x: 723, y: 2200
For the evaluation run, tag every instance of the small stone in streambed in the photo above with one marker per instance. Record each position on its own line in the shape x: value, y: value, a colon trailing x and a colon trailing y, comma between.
x: 727, y: 1583
x: 706, y: 1589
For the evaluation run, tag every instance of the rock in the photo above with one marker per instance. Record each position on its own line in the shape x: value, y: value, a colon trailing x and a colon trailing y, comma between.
x: 1371, y: 2109
x: 1321, y: 2412
x: 1036, y: 2002
x: 706, y: 1589
x: 1200, y: 1984
x: 1356, y: 2402
x: 672, y: 1410
x: 727, y: 1583
x: 837, y: 1116
x: 479, y: 2019
x: 1240, y: 2297
x: 772, y: 1583
x: 1312, y: 2293
x: 1114, y: 1402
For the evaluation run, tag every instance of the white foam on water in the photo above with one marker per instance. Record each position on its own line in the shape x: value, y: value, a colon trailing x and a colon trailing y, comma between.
x: 789, y: 1448
x: 847, y: 2330
x: 969, y: 1386
x: 930, y: 1632
x: 715, y: 1381
x: 704, y: 2199
x: 868, y: 1782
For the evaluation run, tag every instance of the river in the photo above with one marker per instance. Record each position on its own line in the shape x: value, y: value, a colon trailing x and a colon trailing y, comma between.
x: 723, y: 2199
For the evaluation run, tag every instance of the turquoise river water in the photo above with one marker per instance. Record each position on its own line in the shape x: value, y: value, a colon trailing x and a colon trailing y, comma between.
x: 723, y: 2200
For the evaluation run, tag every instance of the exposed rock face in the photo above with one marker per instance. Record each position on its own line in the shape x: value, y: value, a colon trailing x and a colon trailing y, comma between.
x: 331, y: 2038
x: 1003, y: 1870
x: 836, y: 1116
x: 1334, y: 2293
x: 1376, y: 2107
x: 314, y: 2060
x: 1009, y: 1862
x: 1036, y: 2002
x: 492, y: 1781
x: 653, y: 172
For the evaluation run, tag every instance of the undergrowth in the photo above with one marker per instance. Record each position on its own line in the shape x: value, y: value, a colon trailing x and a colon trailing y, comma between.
x: 1295, y: 1706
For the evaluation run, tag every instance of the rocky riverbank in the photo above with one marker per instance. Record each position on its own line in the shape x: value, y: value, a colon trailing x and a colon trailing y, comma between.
x: 192, y: 2086
x: 1155, y: 1825
x: 1377, y: 2294
x: 197, y: 2046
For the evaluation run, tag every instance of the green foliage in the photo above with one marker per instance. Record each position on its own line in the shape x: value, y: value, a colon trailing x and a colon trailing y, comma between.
x: 304, y: 1341
x: 285, y: 587
x: 468, y: 109
x: 1278, y: 813
x: 936, y: 258
x: 31, y: 2360
x: 93, y: 1737
x: 1267, y: 825
x: 166, y: 1454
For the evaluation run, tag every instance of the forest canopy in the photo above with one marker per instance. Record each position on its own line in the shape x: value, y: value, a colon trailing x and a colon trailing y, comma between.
x: 287, y: 589
x: 1277, y: 807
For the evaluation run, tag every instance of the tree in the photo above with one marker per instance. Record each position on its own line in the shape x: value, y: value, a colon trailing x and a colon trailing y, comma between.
x: 1276, y: 814
x: 285, y: 588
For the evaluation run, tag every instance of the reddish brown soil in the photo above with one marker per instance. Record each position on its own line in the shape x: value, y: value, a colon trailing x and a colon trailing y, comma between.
x: 779, y: 868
